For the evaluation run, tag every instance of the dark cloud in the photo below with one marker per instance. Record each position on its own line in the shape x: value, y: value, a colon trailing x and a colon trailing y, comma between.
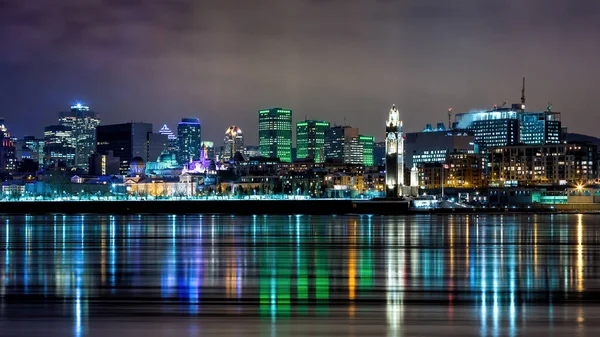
x: 221, y: 60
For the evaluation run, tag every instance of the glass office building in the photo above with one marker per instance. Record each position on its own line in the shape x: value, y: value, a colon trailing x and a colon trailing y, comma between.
x: 275, y: 133
x: 310, y: 140
x: 189, y: 137
x: 83, y: 123
x: 367, y: 144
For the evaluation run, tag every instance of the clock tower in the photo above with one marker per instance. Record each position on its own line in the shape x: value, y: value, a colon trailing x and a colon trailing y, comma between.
x: 394, y: 154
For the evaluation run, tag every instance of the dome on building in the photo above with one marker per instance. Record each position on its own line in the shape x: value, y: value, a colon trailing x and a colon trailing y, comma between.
x: 137, y: 166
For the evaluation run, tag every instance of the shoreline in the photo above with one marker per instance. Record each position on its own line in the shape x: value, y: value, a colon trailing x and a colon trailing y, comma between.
x: 262, y: 207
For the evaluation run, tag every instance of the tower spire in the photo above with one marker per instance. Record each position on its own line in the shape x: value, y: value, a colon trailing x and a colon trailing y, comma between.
x: 523, y: 95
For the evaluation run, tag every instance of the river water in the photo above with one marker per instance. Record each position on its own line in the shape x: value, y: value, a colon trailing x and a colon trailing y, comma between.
x: 219, y: 275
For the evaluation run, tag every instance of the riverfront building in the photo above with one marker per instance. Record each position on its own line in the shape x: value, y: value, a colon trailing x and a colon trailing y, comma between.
x: 434, y: 145
x: 550, y: 164
x: 275, y: 133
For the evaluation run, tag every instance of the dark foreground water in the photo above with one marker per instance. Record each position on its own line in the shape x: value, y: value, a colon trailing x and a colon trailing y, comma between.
x: 86, y: 275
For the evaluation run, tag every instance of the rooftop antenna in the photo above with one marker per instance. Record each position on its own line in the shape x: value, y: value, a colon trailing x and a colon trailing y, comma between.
x: 449, y: 118
x: 345, y: 121
x: 549, y: 108
x: 523, y: 95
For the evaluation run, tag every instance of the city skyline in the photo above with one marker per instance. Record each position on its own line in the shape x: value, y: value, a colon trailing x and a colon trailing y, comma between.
x: 330, y: 61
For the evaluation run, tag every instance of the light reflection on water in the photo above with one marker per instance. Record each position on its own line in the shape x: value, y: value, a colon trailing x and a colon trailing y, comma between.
x: 497, y: 273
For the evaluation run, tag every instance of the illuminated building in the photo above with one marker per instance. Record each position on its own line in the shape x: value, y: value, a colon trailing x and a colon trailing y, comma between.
x: 310, y: 140
x: 379, y: 153
x: 8, y: 161
x: 209, y: 149
x: 189, y: 135
x: 83, y: 124
x: 59, y: 146
x: 434, y: 145
x: 172, y: 138
x: 512, y: 126
x: 461, y: 170
x: 367, y: 143
x: 550, y: 164
x: 492, y: 128
x: 394, y: 159
x: 34, y: 147
x: 541, y: 127
x: 104, y: 164
x: 342, y: 145
x: 275, y: 133
x: 251, y: 152
x: 232, y: 143
x: 165, y: 166
x: 130, y: 140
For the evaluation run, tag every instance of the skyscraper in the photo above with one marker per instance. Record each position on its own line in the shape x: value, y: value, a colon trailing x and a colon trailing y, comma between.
x: 130, y: 140
x: 172, y: 138
x: 394, y: 157
x: 310, y: 140
x: 233, y: 142
x: 189, y: 136
x: 367, y: 143
x: 275, y: 133
x: 340, y: 147
x: 83, y: 124
x: 60, y: 146
x: 8, y: 162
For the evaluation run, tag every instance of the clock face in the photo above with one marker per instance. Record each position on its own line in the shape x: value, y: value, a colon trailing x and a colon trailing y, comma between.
x: 391, y: 136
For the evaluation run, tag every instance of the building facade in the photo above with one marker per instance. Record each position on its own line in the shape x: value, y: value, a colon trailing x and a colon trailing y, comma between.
x: 433, y: 146
x: 540, y: 127
x: 275, y: 133
x: 83, y: 123
x: 339, y: 145
x: 512, y: 126
x: 310, y: 140
x: 233, y: 142
x: 8, y: 160
x: 367, y: 146
x: 550, y: 164
x: 189, y: 136
x: 172, y: 138
x: 59, y: 146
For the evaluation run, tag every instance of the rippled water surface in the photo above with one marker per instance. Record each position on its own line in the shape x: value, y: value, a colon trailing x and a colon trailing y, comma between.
x: 487, y: 275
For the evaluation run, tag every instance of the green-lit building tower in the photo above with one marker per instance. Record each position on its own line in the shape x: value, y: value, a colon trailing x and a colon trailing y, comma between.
x: 310, y: 140
x: 275, y: 133
x: 367, y: 143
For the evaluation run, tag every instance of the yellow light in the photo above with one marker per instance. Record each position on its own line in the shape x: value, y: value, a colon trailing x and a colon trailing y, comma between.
x: 579, y: 187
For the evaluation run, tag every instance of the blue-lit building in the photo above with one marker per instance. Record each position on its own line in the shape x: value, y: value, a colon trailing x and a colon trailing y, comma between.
x: 542, y: 127
x: 189, y: 136
x: 511, y: 126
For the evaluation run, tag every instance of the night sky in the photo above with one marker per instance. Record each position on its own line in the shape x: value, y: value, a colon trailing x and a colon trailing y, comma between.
x: 222, y: 60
